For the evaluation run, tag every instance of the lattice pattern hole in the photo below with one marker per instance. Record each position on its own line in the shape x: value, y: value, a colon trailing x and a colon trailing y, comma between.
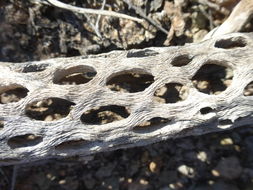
x: 49, y: 109
x: 74, y: 75
x: 35, y: 68
x: 1, y: 124
x: 130, y: 81
x: 24, y: 141
x: 206, y: 110
x: 171, y: 93
x: 181, y: 60
x: 71, y: 144
x: 104, y: 115
x: 212, y: 78
x: 141, y: 53
x: 230, y: 43
x: 248, y: 91
x: 225, y: 122
x: 12, y: 93
x: 152, y: 124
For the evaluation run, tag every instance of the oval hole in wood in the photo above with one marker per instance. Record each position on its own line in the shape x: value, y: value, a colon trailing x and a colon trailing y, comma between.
x: 50, y: 109
x: 1, y: 124
x: 181, y: 60
x: 75, y: 75
x: 141, y: 53
x: 104, y: 115
x: 152, y: 124
x: 230, y: 43
x: 130, y: 81
x: 12, y: 93
x: 225, y: 122
x: 71, y: 144
x: 206, y: 110
x: 24, y: 141
x: 34, y: 68
x: 171, y: 93
x: 248, y: 91
x: 212, y: 78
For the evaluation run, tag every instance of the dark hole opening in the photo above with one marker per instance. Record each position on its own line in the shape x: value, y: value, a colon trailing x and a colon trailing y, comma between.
x: 248, y: 91
x: 141, y: 53
x: 171, y: 93
x: 206, y: 110
x: 181, y: 60
x: 130, y: 82
x: 71, y: 52
x: 12, y: 94
x: 71, y: 144
x: 1, y: 124
x: 104, y: 114
x: 50, y: 109
x: 212, y: 78
x: 74, y: 75
x: 34, y: 68
x: 24, y: 141
x: 230, y: 43
x: 152, y: 124
x: 225, y: 122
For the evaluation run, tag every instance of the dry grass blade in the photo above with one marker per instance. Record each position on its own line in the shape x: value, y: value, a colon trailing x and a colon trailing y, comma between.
x: 142, y: 14
x: 92, y: 11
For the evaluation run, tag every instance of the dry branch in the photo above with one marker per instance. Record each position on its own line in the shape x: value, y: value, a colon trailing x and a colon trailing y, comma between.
x: 80, y: 10
x: 84, y: 105
x: 236, y: 20
x: 140, y: 12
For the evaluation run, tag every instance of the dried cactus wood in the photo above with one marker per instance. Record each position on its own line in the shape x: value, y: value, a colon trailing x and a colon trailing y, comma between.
x: 236, y: 20
x: 84, y: 105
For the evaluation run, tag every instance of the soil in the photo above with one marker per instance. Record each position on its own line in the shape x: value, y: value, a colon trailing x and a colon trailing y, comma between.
x: 33, y: 31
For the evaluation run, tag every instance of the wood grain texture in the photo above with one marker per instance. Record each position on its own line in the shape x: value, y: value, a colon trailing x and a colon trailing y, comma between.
x: 238, y: 18
x: 25, y: 138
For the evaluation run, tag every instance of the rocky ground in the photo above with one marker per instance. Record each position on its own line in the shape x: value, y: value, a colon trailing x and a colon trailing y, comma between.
x: 33, y: 31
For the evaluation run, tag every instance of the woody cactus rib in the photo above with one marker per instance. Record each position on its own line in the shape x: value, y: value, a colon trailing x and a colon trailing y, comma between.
x: 84, y: 105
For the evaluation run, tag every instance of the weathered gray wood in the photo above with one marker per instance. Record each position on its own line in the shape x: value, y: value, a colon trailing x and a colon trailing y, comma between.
x: 230, y: 108
x: 240, y: 16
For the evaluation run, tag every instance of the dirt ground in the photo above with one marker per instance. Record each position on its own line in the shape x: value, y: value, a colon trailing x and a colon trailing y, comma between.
x: 34, y: 31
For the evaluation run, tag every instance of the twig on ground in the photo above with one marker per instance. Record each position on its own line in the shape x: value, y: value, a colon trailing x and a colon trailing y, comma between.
x: 143, y: 15
x: 99, y: 16
x: 80, y: 10
x: 14, y: 177
x: 211, y: 24
x: 93, y: 26
x: 207, y: 15
x: 44, y: 2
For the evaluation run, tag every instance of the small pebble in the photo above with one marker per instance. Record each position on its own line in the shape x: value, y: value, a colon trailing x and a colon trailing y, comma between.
x: 153, y: 167
x: 215, y: 173
x: 61, y: 182
x: 226, y: 141
x: 186, y: 170
x: 202, y: 156
x: 143, y: 182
